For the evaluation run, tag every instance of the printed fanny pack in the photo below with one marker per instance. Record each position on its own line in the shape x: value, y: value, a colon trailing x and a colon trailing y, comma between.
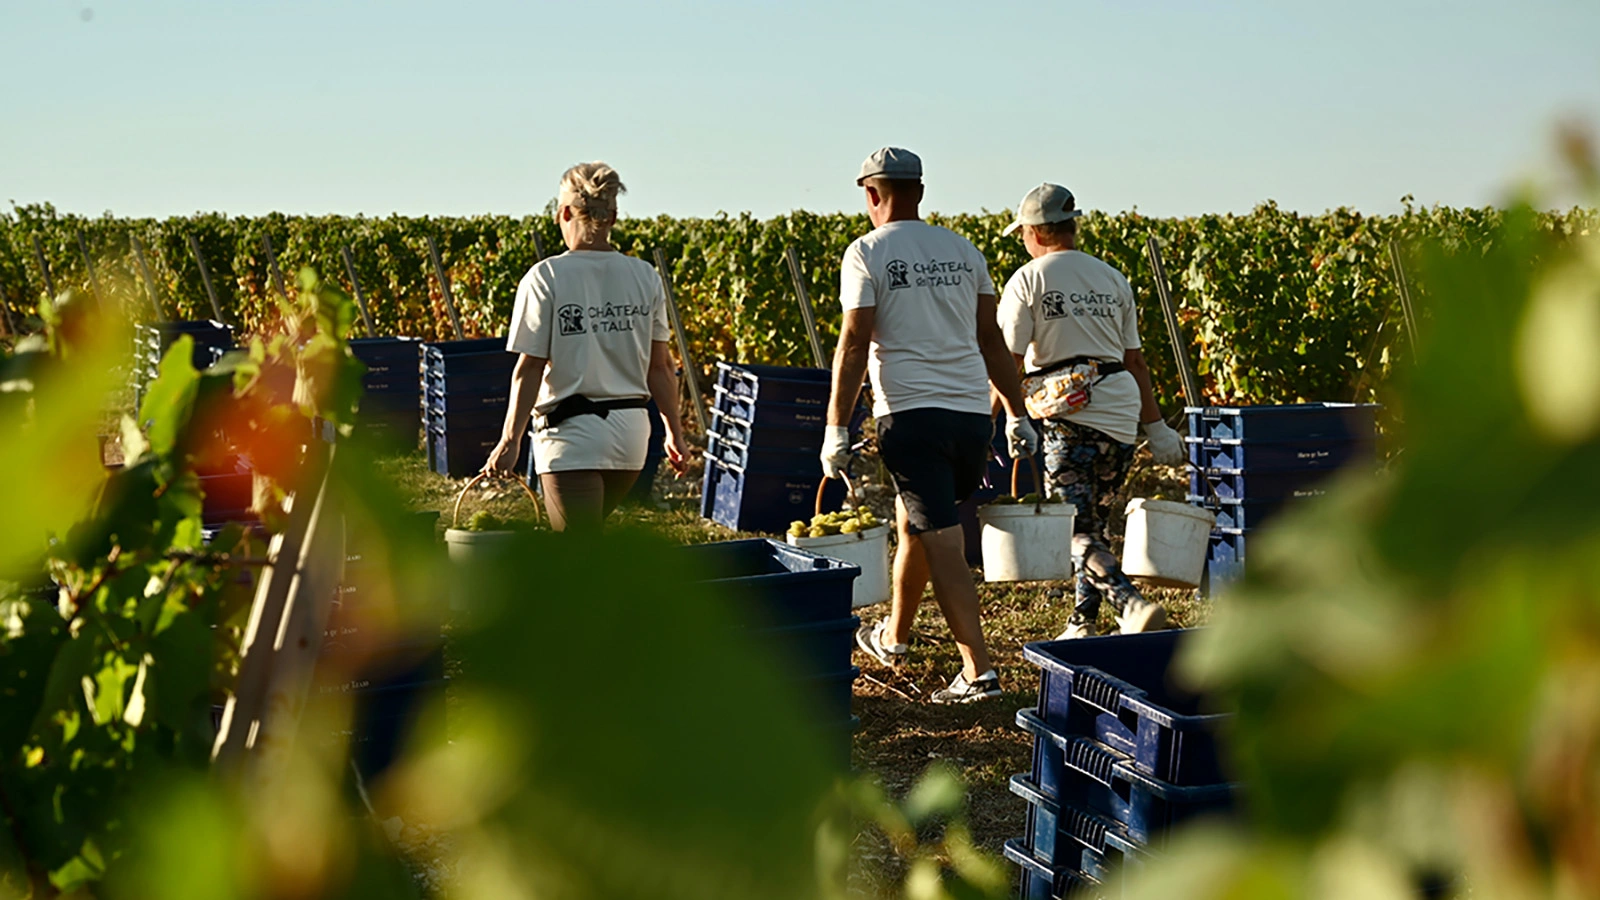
x: 1061, y: 389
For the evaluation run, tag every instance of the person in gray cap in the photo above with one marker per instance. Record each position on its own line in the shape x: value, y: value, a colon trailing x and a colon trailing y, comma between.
x: 1070, y: 319
x: 919, y: 317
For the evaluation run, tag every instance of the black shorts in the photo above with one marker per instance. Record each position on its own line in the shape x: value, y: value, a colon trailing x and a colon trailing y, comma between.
x: 937, y: 458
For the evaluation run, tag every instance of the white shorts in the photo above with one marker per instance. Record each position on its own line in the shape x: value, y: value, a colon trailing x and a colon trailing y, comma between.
x: 618, y: 441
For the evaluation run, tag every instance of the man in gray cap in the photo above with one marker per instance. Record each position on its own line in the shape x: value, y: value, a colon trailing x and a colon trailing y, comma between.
x: 919, y: 317
x: 1071, y: 320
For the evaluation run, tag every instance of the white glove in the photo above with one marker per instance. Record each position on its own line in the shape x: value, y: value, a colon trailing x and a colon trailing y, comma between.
x: 1165, y: 445
x: 1021, y: 439
x: 835, y: 451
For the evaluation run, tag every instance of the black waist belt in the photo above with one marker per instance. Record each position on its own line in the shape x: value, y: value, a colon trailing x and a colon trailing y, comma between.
x: 579, y: 405
x: 1106, y: 366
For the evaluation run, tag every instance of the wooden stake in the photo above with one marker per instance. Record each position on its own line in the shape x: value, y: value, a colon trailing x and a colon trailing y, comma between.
x: 88, y: 265
x: 797, y: 278
x: 273, y: 271
x: 444, y: 287
x: 1403, y: 287
x: 690, y: 371
x: 205, y: 275
x: 355, y: 288
x: 44, y: 268
x: 1180, y: 350
x: 538, y: 247
x: 151, y: 288
x: 284, y: 634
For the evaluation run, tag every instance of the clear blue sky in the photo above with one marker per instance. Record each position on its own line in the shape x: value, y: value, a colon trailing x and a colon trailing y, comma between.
x: 155, y: 107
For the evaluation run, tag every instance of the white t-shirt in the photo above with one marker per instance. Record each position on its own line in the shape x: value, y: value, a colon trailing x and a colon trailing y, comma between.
x: 593, y: 314
x: 1068, y: 303
x: 924, y: 282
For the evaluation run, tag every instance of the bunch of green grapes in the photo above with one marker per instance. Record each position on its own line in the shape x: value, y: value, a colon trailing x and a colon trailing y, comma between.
x: 848, y: 521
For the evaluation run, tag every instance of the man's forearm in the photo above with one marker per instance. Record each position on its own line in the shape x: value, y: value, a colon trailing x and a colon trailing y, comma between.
x: 525, y: 379
x: 1002, y: 368
x: 849, y: 371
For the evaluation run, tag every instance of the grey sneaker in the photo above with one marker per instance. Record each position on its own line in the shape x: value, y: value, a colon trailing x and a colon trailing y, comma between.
x: 1140, y: 615
x: 963, y: 691
x: 870, y: 639
x: 1078, y: 626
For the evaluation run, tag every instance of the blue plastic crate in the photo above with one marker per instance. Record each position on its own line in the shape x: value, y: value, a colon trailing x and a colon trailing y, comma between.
x: 1079, y: 771
x: 776, y: 384
x: 829, y: 695
x: 464, y: 357
x: 491, y: 380
x: 1223, y: 485
x: 467, y: 398
x: 486, y: 418
x: 770, y: 413
x: 1225, y: 557
x: 726, y: 426
x: 388, y: 358
x: 762, y: 501
x: 1297, y: 421
x: 1061, y: 835
x: 459, y: 453
x: 775, y: 585
x: 1209, y: 453
x: 1239, y: 514
x: 392, y: 401
x: 812, y: 649
x: 1040, y: 881
x: 769, y: 461
x: 1115, y: 690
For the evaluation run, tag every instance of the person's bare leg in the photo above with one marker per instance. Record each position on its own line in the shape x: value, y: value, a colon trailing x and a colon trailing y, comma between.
x: 957, y: 595
x: 574, y: 500
x: 617, y: 484
x: 910, y: 578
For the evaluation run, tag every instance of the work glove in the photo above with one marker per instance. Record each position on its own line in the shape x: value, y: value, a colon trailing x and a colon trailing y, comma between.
x: 1165, y: 445
x: 1021, y: 439
x: 835, y: 451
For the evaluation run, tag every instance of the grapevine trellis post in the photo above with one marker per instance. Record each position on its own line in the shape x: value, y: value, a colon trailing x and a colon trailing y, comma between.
x: 690, y: 371
x: 355, y: 288
x: 804, y: 299
x: 88, y: 266
x: 44, y: 268
x: 1403, y: 286
x: 1180, y: 352
x: 152, y: 290
x: 444, y: 287
x: 273, y: 271
x: 205, y: 274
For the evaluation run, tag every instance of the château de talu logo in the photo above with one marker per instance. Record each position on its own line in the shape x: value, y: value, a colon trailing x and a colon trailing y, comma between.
x: 898, y: 270
x: 571, y: 319
x: 1055, y: 305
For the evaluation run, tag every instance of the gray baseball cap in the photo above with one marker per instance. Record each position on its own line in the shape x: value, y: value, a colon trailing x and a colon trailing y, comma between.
x: 1043, y: 205
x: 892, y: 163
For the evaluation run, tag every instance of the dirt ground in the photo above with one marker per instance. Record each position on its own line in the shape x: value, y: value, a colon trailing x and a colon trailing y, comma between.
x: 901, y: 734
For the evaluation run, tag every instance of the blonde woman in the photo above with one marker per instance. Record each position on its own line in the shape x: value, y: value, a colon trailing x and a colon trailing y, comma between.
x: 591, y: 328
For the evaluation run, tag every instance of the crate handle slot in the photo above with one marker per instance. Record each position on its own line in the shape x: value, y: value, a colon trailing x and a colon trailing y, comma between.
x: 1086, y: 829
x: 1097, y: 691
x: 1083, y: 755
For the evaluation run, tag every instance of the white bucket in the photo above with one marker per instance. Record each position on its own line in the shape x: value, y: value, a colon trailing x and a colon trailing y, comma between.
x: 1165, y: 542
x: 868, y: 549
x: 466, y: 546
x: 1024, y: 542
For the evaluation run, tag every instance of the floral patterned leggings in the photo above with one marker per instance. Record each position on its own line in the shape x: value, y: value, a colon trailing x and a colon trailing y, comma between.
x: 1087, y: 467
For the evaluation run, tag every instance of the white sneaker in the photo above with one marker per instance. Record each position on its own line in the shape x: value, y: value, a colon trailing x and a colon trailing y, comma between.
x: 1140, y: 615
x: 1078, y: 626
x: 870, y: 639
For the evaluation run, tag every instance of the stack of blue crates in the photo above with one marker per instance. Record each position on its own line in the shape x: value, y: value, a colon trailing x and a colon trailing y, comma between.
x: 762, y: 466
x: 391, y: 402
x: 1246, y: 463
x: 798, y: 606
x: 150, y: 342
x: 1119, y: 755
x: 465, y: 388
x: 388, y: 687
